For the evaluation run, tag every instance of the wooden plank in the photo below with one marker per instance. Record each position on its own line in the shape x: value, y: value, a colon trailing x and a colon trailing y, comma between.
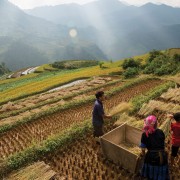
x: 36, y: 171
x: 117, y: 135
x: 133, y: 135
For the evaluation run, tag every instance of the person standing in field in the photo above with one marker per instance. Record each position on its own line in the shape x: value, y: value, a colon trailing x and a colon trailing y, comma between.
x: 98, y: 115
x: 175, y: 137
x: 155, y: 165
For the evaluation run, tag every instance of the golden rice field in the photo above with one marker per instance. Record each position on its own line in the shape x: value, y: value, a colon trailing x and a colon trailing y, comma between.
x: 39, y: 86
x: 5, y: 81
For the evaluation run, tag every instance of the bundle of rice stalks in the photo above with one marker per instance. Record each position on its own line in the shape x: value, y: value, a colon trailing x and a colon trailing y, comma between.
x: 8, y: 106
x: 171, y: 94
x: 131, y: 147
x: 161, y: 106
x: 120, y: 108
x: 165, y: 127
x: 147, y: 109
x: 124, y: 117
x: 137, y: 123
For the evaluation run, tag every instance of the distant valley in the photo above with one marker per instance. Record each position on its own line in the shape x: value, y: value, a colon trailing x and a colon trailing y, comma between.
x: 106, y: 29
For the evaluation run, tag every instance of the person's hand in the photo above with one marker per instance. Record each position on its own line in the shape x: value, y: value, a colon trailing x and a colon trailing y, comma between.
x: 107, y: 117
x: 170, y: 116
x: 142, y: 154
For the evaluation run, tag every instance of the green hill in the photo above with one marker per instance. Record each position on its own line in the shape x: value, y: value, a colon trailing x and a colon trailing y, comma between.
x: 173, y: 51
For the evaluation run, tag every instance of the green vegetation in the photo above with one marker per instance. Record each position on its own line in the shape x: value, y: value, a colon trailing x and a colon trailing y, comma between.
x: 157, y: 63
x: 3, y: 69
x: 130, y: 63
x: 131, y: 67
x: 15, y: 83
x: 130, y: 72
x: 74, y: 64
x: 44, y: 68
x: 161, y: 63
x: 173, y: 51
x: 101, y: 64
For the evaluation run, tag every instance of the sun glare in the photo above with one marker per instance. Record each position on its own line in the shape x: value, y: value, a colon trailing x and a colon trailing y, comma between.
x: 73, y: 33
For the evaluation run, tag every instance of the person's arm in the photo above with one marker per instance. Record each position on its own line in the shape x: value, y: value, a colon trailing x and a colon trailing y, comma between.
x: 143, y: 145
x: 107, y: 116
x: 143, y: 151
x: 101, y: 113
x: 171, y: 117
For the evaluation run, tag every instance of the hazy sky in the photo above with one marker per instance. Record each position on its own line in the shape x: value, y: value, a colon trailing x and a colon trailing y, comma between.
x: 28, y: 4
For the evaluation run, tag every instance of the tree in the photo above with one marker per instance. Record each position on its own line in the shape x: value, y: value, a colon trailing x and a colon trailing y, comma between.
x: 153, y: 54
x: 176, y: 58
x: 162, y: 64
x: 3, y: 64
x: 130, y: 63
x: 3, y: 69
x: 101, y: 64
x: 130, y: 72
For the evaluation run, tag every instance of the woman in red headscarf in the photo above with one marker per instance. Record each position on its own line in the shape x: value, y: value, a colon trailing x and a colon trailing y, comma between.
x: 155, y: 162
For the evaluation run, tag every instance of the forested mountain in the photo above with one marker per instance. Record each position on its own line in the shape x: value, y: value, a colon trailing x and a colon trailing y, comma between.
x: 28, y: 41
x: 105, y: 29
x: 120, y: 30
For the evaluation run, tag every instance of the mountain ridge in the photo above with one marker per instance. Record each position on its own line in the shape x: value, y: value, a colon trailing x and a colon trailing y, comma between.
x: 104, y: 29
x: 40, y: 37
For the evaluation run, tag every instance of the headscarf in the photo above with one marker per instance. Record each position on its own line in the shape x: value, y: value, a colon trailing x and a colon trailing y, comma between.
x: 150, y: 125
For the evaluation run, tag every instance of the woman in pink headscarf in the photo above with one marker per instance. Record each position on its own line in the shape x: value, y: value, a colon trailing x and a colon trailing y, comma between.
x: 155, y: 163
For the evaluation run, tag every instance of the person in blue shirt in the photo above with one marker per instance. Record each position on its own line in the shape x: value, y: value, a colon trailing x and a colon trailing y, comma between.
x: 98, y: 115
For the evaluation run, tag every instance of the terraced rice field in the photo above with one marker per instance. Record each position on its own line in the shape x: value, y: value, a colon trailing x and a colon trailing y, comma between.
x: 12, y: 112
x: 23, y: 136
x: 43, y: 83
x: 84, y: 160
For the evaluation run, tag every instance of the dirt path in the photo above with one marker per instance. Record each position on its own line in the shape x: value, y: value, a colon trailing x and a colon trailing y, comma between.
x: 23, y: 136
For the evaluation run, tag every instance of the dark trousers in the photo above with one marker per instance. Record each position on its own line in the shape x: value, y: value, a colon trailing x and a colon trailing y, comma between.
x: 97, y: 130
x: 174, y: 150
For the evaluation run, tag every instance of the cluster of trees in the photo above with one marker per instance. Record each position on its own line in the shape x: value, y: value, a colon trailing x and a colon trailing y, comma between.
x: 3, y: 69
x: 74, y: 64
x: 158, y: 63
x: 131, y: 67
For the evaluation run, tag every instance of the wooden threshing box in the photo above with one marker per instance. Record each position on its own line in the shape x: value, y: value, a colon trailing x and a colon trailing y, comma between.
x: 120, y: 155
